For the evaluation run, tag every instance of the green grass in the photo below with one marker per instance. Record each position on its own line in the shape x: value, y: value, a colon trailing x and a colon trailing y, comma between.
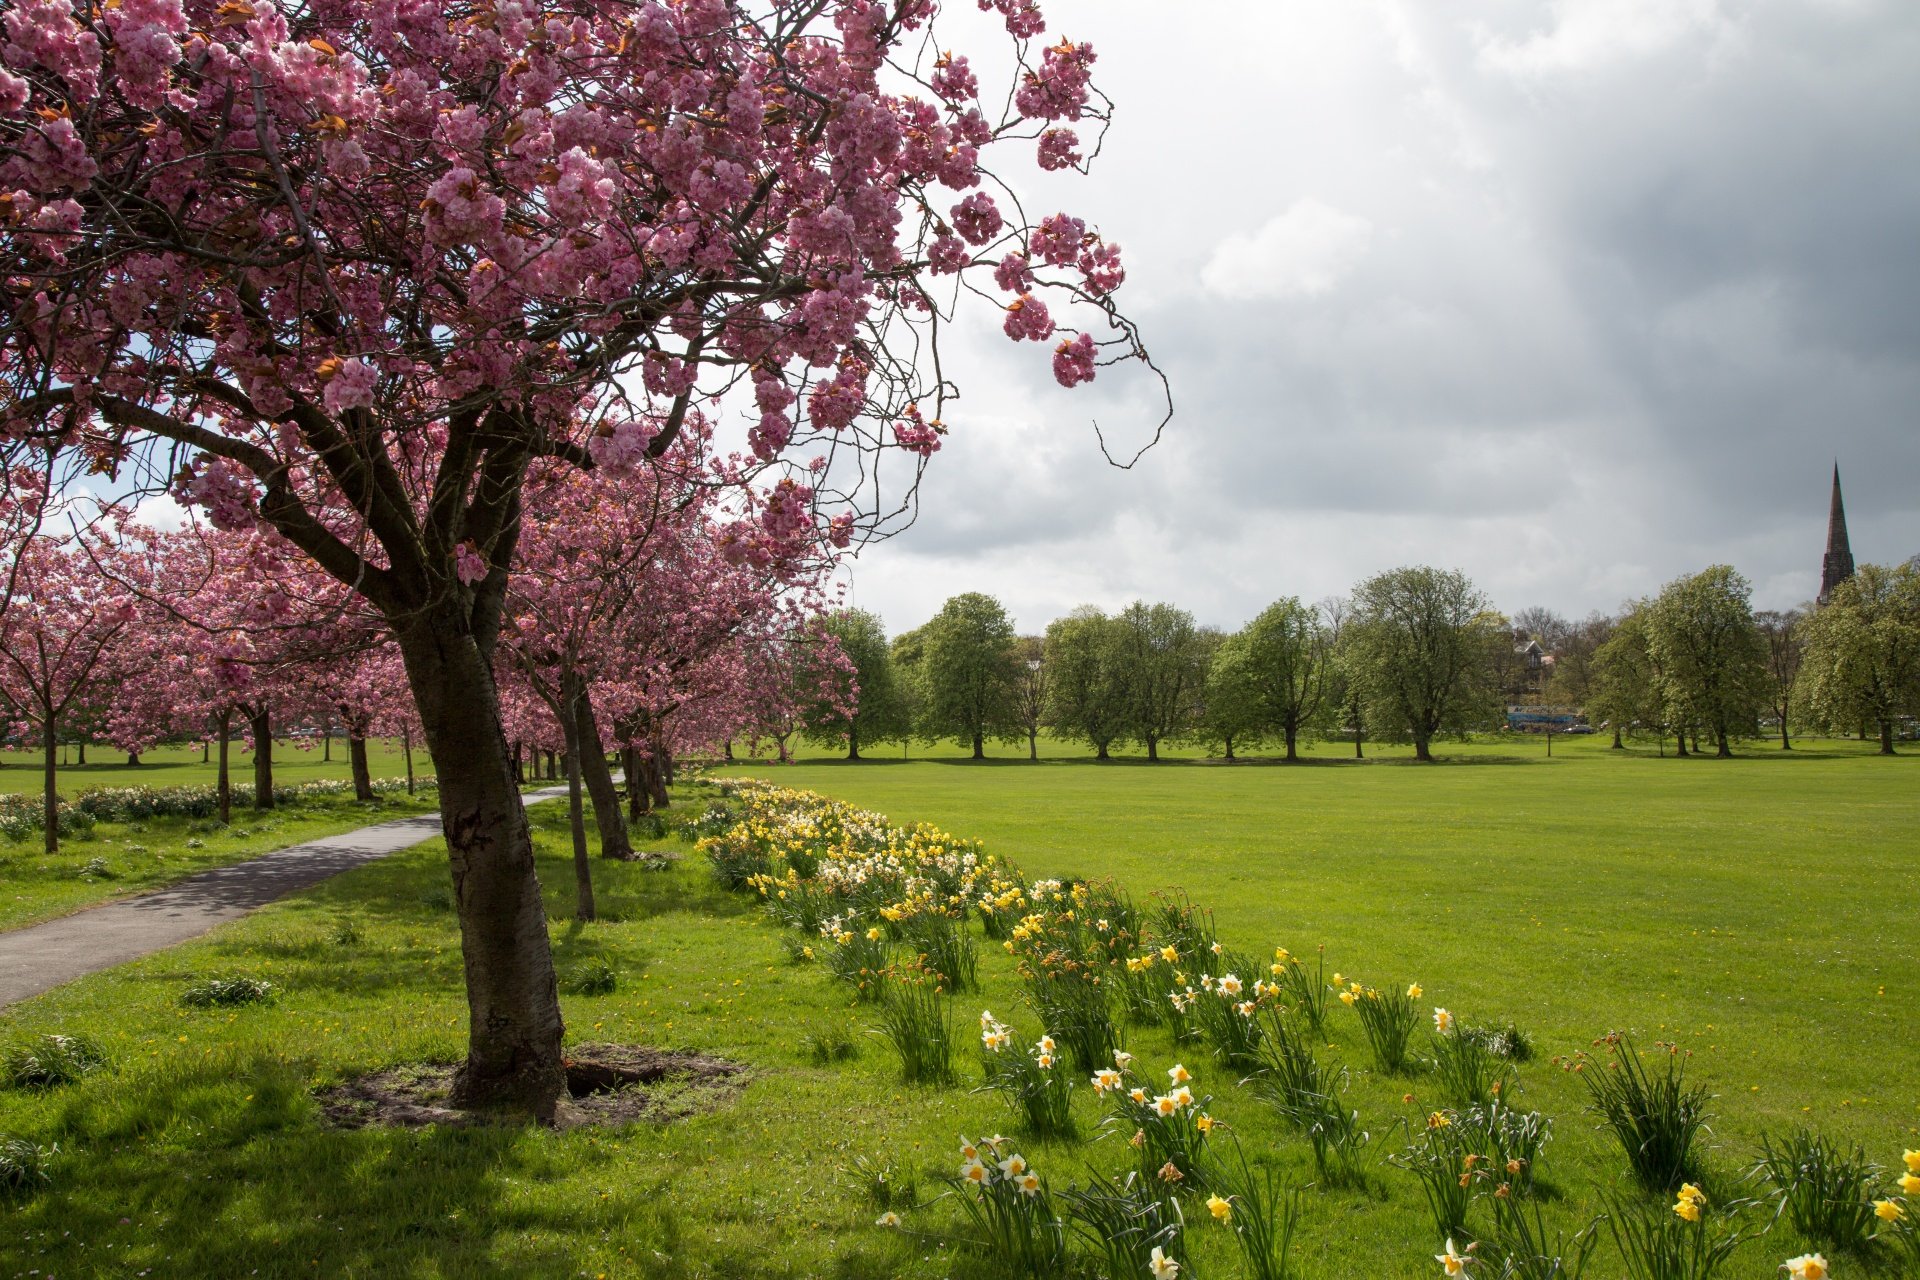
x: 1755, y: 910
x: 293, y: 761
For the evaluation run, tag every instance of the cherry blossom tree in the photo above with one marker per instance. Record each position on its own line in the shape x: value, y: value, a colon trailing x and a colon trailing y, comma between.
x: 59, y: 641
x: 349, y: 269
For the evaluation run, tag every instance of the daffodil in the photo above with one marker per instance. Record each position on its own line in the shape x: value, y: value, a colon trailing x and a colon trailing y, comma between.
x: 1165, y: 1105
x: 1230, y: 984
x: 1122, y: 1059
x: 1169, y: 953
x: 1014, y: 1165
x: 1347, y: 998
x: 976, y: 1173
x: 1443, y: 1022
x: 1139, y: 1096
x: 1689, y: 1202
x: 1910, y: 1183
x: 887, y: 1219
x: 1913, y: 1161
x: 1029, y: 1184
x: 1183, y: 1097
x: 1179, y: 1074
x: 1453, y: 1260
x: 1413, y: 991
x: 1808, y: 1266
x: 1105, y: 1079
x: 1161, y: 1267
x: 1888, y: 1210
x: 1220, y: 1207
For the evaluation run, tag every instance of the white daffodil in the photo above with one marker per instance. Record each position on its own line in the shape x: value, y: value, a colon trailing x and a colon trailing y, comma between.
x: 1808, y: 1266
x: 1161, y: 1267
x: 1453, y: 1260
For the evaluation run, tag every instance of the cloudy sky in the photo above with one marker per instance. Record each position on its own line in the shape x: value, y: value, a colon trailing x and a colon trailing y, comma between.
x: 1575, y: 296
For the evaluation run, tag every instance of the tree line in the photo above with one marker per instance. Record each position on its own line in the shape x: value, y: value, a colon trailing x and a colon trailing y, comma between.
x: 1411, y: 655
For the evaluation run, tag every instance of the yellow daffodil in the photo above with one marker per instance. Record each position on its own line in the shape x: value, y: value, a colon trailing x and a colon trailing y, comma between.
x: 1347, y: 998
x: 1439, y: 1120
x: 1689, y: 1202
x: 1204, y: 1122
x: 1808, y: 1266
x: 1413, y: 991
x: 1220, y: 1207
x: 1910, y: 1183
x: 1913, y: 1161
x: 1888, y: 1210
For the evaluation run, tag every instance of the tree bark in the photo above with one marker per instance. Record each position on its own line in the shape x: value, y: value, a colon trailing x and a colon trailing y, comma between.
x: 1101, y: 752
x: 1293, y: 743
x: 362, y: 775
x: 853, y: 741
x: 612, y: 824
x: 133, y: 759
x: 729, y: 750
x: 326, y: 746
x: 1229, y: 738
x: 1724, y: 747
x: 1153, y: 749
x: 223, y: 784
x: 1786, y: 743
x: 81, y: 748
x: 655, y: 772
x: 1680, y: 744
x: 639, y: 798
x: 50, y: 799
x: 1421, y: 751
x: 514, y: 1026
x: 979, y: 747
x: 577, y: 818
x: 1886, y: 737
x: 1033, y: 744
x: 1617, y: 744
x: 260, y: 724
x: 406, y: 749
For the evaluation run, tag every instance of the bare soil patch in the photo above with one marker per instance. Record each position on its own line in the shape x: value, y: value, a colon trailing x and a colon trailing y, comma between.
x: 611, y: 1084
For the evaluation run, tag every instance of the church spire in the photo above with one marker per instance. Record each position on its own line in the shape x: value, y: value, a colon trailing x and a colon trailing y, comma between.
x: 1837, y: 567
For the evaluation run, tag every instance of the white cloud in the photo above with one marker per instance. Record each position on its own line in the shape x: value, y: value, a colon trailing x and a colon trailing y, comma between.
x: 1302, y: 253
x: 160, y: 511
x: 1587, y: 35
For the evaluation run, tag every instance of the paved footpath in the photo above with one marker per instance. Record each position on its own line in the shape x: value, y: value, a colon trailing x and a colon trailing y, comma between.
x: 42, y: 956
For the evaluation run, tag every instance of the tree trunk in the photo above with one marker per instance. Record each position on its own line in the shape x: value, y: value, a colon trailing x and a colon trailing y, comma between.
x: 1680, y: 743
x: 81, y: 748
x: 665, y: 756
x: 1886, y: 737
x: 577, y: 820
x: 223, y: 784
x: 639, y: 798
x: 729, y: 749
x: 1617, y: 744
x: 1724, y: 747
x: 406, y: 749
x: 362, y: 775
x: 1033, y: 744
x: 133, y: 759
x: 514, y: 1027
x: 853, y: 741
x: 1229, y: 738
x: 1421, y: 751
x: 979, y: 747
x: 1293, y: 743
x: 50, y: 799
x: 1101, y: 752
x: 1786, y: 743
x: 260, y: 725
x: 204, y: 749
x: 655, y: 772
x: 1153, y: 749
x: 326, y: 745
x: 612, y: 824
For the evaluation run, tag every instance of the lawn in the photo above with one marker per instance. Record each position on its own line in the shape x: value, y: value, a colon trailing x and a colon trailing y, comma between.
x: 1759, y: 911
x: 119, y: 858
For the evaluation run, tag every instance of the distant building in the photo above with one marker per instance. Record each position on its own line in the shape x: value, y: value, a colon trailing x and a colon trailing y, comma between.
x: 1837, y: 566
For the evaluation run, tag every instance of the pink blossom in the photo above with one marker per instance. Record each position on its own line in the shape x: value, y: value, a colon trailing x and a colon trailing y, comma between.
x: 1073, y: 361
x: 469, y: 565
x: 954, y: 80
x: 1057, y: 240
x: 977, y: 218
x: 1014, y: 274
x: 351, y: 386
x: 1027, y: 318
x: 1057, y: 149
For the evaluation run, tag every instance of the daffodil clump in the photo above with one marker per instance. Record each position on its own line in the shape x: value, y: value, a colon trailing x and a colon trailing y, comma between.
x: 1652, y: 1111
x: 1168, y: 1131
x: 1824, y: 1189
x: 1069, y: 950
x: 1010, y: 1207
x: 916, y: 1018
x: 1387, y: 1017
x: 1466, y: 1156
x: 1035, y: 1080
x: 1688, y: 1239
x: 1898, y: 1213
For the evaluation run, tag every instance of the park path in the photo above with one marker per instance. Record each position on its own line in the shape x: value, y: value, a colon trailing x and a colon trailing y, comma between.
x: 43, y: 956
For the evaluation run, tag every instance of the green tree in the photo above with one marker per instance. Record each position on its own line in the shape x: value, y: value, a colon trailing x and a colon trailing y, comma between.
x: 1160, y: 648
x: 1030, y: 696
x: 1709, y: 654
x: 869, y: 709
x: 1087, y: 690
x: 1784, y: 632
x: 1863, y: 650
x: 1624, y: 691
x: 1229, y: 703
x: 1421, y: 648
x: 971, y: 673
x: 910, y: 680
x: 1289, y: 655
x: 1345, y: 692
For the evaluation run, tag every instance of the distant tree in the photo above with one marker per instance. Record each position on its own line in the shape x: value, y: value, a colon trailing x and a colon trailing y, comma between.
x: 1087, y: 679
x: 1786, y: 648
x: 1422, y: 640
x: 873, y: 709
x: 1537, y: 622
x: 910, y: 676
x: 1575, y: 661
x: 1288, y: 654
x: 1160, y: 646
x: 1345, y: 691
x: 1625, y: 693
x: 1031, y: 693
x: 1711, y: 659
x: 1229, y: 700
x: 971, y: 673
x: 1863, y: 650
